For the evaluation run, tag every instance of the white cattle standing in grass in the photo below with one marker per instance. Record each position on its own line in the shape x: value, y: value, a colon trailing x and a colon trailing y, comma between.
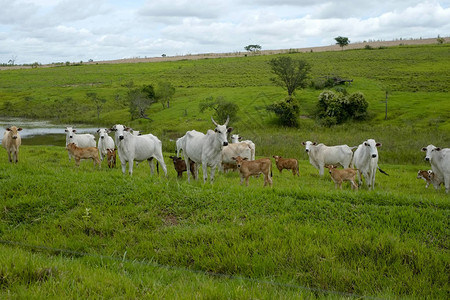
x: 105, y: 142
x: 236, y: 138
x: 137, y: 148
x: 439, y: 159
x: 365, y: 160
x: 205, y: 149
x: 11, y: 142
x: 80, y: 140
x: 321, y: 155
x: 180, y: 143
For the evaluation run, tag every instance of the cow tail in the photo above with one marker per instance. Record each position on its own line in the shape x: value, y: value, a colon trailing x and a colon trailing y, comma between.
x: 383, y: 171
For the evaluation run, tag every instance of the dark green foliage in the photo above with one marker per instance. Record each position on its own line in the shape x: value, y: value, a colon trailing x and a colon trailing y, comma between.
x: 164, y: 93
x: 139, y: 101
x: 252, y: 48
x: 337, y: 107
x: 291, y: 74
x: 342, y: 41
x: 287, y: 111
x: 221, y: 107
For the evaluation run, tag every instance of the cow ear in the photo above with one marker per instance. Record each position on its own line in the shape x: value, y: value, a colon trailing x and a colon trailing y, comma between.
x: 66, y: 130
x: 74, y: 130
x: 314, y: 143
x: 437, y: 149
x: 19, y: 129
x: 378, y: 144
x: 365, y: 144
x: 424, y: 149
x: 245, y: 158
x: 303, y: 143
x: 230, y: 129
x: 233, y: 158
x: 8, y: 129
x: 98, y: 130
x: 127, y: 129
x: 240, y: 138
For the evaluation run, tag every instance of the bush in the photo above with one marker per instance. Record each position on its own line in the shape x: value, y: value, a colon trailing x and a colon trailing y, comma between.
x: 337, y: 107
x: 221, y: 107
x: 287, y: 111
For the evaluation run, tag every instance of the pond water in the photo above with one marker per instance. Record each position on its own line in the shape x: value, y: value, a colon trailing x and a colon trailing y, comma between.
x: 41, y: 132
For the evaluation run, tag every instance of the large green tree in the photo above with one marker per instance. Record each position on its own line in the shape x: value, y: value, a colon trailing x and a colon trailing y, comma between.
x: 291, y: 74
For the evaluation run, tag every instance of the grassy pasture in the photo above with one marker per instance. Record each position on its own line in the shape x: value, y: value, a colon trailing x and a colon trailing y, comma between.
x: 391, y: 242
x: 149, y: 236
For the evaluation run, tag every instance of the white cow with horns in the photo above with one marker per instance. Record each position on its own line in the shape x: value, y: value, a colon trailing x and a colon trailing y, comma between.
x: 105, y: 142
x: 321, y: 155
x: 439, y: 159
x: 205, y: 149
x: 80, y: 140
x: 137, y: 148
x: 365, y: 160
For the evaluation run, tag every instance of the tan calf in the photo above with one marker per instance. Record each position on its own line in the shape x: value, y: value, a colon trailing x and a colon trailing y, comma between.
x: 430, y: 178
x: 287, y: 163
x: 11, y: 142
x: 254, y: 167
x: 111, y: 156
x: 341, y: 175
x: 83, y: 153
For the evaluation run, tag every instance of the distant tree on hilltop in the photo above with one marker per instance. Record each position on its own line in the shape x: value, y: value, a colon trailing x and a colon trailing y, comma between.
x: 342, y: 41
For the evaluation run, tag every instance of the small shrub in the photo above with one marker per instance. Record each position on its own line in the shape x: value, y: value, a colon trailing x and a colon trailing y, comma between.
x: 337, y: 107
x: 287, y: 111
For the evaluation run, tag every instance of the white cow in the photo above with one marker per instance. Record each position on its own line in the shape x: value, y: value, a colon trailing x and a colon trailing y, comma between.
x: 321, y: 155
x: 236, y: 138
x: 365, y: 160
x: 205, y: 149
x: 104, y: 142
x: 11, y: 142
x: 439, y: 159
x: 80, y: 140
x: 137, y: 148
x: 180, y: 143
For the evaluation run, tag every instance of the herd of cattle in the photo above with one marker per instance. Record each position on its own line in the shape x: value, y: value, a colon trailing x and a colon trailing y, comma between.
x: 213, y: 150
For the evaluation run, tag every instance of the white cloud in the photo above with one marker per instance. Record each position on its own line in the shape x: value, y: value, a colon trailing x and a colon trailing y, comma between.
x: 74, y: 30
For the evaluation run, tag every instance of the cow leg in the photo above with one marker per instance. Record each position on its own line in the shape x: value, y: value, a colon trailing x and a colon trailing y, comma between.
x: 321, y: 170
x: 152, y: 165
x: 447, y: 184
x: 188, y: 167
x: 359, y: 177
x: 9, y: 156
x: 205, y: 172
x: 213, y: 172
x: 124, y: 166
x: 246, y: 180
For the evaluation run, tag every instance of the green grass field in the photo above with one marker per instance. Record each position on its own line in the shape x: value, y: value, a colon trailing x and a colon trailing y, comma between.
x: 162, y: 237
x: 70, y: 232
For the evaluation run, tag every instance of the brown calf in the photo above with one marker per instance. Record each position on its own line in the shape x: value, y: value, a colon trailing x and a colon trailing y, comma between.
x: 83, y: 153
x: 111, y: 155
x: 11, y: 142
x: 342, y: 175
x: 227, y: 166
x: 180, y: 166
x: 287, y: 163
x: 254, y: 167
x: 430, y: 178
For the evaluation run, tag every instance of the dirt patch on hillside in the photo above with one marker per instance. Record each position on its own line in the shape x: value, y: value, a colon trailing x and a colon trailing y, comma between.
x: 375, y: 44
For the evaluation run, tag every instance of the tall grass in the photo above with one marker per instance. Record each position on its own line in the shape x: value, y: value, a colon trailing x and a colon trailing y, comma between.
x: 391, y: 242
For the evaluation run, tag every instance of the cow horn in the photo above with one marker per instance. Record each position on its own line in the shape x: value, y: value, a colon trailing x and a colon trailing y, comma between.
x: 226, y: 122
x: 214, y: 122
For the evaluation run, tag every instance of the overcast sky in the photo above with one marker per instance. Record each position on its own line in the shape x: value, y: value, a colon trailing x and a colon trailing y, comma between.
x: 47, y: 31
